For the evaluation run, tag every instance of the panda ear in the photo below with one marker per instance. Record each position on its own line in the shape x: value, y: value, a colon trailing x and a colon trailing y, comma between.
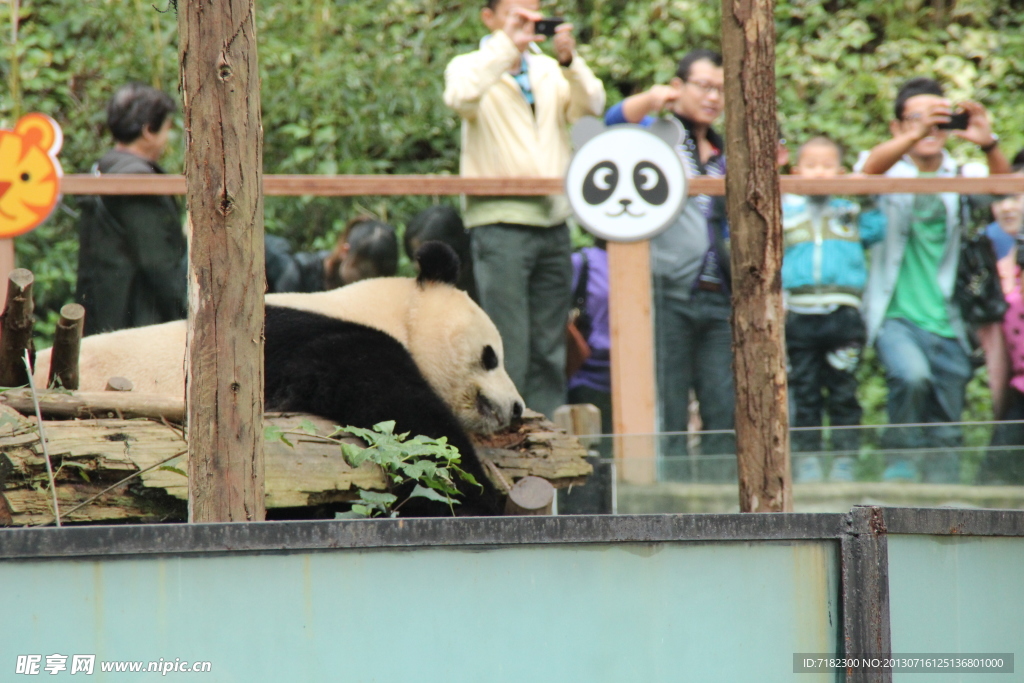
x: 586, y: 128
x: 669, y: 130
x: 438, y: 263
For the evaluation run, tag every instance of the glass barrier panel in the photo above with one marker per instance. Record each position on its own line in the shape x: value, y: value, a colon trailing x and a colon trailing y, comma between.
x: 976, y: 465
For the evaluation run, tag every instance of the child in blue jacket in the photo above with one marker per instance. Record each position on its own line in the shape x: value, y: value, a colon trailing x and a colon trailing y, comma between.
x: 823, y: 275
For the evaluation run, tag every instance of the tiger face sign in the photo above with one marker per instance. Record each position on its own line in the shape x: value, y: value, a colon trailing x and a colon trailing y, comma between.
x: 626, y: 183
x: 29, y: 173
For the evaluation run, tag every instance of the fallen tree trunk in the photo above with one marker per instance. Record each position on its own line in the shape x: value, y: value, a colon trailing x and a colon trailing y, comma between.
x: 91, y: 455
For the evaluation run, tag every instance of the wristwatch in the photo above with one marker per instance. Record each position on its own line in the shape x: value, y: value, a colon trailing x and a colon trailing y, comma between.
x: 990, y: 146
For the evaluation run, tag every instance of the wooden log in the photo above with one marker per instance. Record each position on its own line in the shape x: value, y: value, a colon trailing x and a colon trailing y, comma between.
x: 534, y: 447
x: 224, y: 176
x: 6, y: 513
x: 755, y: 218
x: 67, y: 341
x: 91, y: 455
x: 530, y: 496
x: 96, y: 404
x: 16, y: 329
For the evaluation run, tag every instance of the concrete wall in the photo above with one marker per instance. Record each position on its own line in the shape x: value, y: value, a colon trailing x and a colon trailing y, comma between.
x: 609, y: 598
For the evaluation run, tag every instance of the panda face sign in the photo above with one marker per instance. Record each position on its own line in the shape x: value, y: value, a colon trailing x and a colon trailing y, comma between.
x: 626, y: 184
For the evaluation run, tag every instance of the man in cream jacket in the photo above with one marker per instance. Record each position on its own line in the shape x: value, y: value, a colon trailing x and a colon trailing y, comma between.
x: 516, y: 106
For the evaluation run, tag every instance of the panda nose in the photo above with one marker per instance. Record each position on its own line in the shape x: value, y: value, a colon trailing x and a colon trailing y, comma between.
x: 517, y: 410
x: 625, y: 203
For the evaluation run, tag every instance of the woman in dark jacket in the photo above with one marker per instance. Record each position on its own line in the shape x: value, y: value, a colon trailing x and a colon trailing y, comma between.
x: 132, y: 248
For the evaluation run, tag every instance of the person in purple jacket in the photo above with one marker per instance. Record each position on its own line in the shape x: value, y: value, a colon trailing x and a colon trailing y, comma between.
x: 592, y: 383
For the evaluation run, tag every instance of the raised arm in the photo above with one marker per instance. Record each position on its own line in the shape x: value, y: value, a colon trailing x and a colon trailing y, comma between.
x: 905, y: 134
x: 637, y: 108
x: 658, y: 97
x: 979, y: 131
x: 586, y: 91
x: 468, y: 77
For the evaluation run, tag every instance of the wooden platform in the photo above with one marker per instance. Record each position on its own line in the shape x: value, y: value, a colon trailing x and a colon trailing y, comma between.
x: 89, y: 455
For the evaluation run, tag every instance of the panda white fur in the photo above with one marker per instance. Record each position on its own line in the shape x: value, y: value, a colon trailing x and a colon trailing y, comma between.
x: 418, y: 351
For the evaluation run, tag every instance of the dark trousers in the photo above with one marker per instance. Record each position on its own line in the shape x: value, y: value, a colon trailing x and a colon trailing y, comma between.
x: 524, y: 281
x: 1004, y: 464
x: 824, y: 351
x: 693, y: 345
x: 595, y: 497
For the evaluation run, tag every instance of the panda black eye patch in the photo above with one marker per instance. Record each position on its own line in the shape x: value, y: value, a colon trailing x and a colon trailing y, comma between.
x: 600, y: 183
x: 650, y: 183
x: 489, y: 358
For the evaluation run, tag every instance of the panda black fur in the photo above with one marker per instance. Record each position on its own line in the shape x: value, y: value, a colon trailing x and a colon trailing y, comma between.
x: 359, y: 376
x: 438, y: 263
x: 356, y: 375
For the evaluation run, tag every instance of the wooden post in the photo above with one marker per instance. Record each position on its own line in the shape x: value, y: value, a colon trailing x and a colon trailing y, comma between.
x: 67, y: 342
x: 224, y: 177
x: 755, y: 217
x: 16, y: 328
x: 582, y: 420
x: 632, y: 359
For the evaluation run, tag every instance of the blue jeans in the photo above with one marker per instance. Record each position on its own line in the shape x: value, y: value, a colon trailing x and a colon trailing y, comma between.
x: 693, y: 344
x: 927, y: 376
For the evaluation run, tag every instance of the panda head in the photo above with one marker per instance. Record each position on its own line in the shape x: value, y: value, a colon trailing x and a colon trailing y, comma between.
x: 457, y: 347
x: 626, y: 183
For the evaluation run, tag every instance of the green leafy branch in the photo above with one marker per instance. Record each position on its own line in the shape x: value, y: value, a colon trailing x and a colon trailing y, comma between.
x: 433, y: 465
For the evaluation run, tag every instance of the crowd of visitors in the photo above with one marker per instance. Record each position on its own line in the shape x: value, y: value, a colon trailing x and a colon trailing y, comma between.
x: 516, y: 106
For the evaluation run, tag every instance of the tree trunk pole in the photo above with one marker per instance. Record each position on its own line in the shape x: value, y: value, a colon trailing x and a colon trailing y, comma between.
x: 224, y: 177
x: 755, y: 217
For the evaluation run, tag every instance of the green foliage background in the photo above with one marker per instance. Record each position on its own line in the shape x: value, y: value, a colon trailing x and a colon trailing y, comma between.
x: 355, y: 87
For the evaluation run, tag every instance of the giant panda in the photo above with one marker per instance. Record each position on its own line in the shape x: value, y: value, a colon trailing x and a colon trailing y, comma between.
x: 417, y: 351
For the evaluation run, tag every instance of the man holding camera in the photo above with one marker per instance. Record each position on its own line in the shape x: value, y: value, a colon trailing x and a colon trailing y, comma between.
x: 516, y: 106
x: 911, y: 314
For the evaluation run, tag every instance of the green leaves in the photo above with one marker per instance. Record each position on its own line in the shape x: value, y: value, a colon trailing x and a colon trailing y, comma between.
x: 420, y: 492
x: 176, y: 470
x: 272, y: 433
x: 353, y: 87
x: 431, y: 464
